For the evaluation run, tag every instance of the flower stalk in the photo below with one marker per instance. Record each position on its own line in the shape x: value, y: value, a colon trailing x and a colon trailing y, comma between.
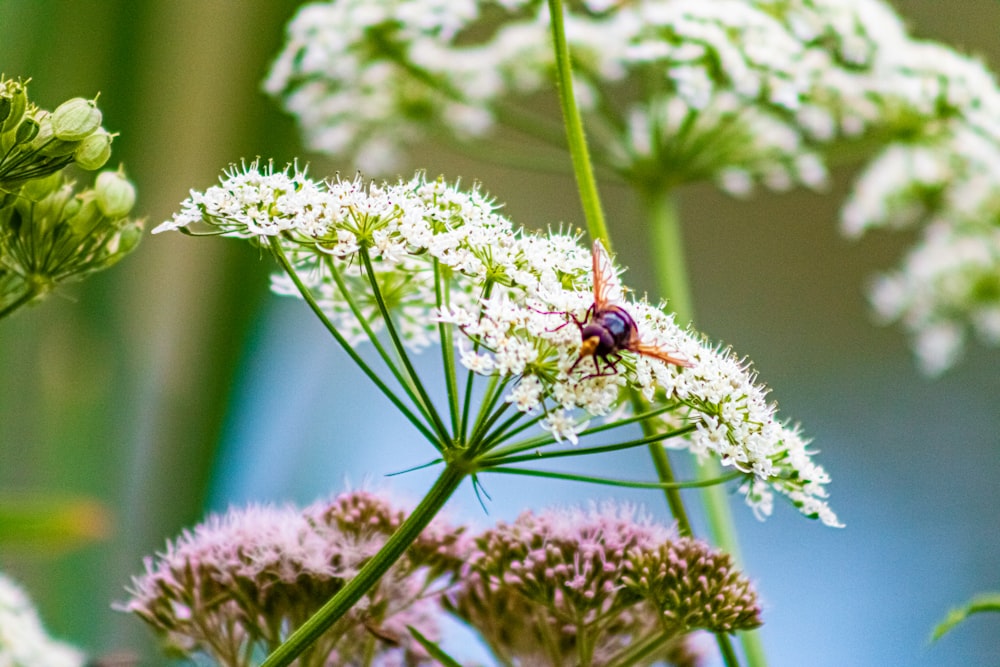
x: 373, y: 570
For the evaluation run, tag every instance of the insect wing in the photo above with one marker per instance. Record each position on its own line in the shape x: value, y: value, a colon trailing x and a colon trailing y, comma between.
x: 607, y: 286
x: 657, y: 352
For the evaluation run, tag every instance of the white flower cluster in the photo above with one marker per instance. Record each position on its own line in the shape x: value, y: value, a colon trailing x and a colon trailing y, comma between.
x: 516, y: 302
x: 734, y: 91
x: 369, y: 79
x: 23, y: 641
x: 946, y: 182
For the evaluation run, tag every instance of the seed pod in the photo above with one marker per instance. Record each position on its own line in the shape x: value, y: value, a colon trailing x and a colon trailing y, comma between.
x: 115, y: 194
x: 76, y: 119
x: 94, y: 151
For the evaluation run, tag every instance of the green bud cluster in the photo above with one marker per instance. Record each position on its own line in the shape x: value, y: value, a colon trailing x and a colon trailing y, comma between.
x: 52, y: 230
x: 35, y: 142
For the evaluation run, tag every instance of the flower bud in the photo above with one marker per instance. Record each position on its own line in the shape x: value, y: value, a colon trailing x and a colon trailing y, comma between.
x: 126, y: 241
x: 115, y: 194
x: 27, y: 131
x: 76, y: 119
x: 86, y: 218
x: 44, y: 135
x: 18, y: 99
x: 94, y: 151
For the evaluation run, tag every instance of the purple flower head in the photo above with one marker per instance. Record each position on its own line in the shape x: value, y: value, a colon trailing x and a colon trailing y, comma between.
x: 553, y: 588
x: 237, y: 584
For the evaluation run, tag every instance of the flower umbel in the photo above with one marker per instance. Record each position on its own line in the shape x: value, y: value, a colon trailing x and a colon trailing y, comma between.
x: 427, y: 262
x: 51, y: 230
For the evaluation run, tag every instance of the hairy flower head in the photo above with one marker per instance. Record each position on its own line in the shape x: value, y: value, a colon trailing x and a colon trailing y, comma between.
x: 547, y: 588
x: 243, y: 579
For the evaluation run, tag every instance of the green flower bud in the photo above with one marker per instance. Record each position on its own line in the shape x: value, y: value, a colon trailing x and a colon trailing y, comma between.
x: 115, y: 194
x: 86, y: 218
x: 94, y: 151
x: 18, y: 97
x: 27, y: 131
x: 44, y: 135
x: 6, y: 106
x: 128, y: 239
x: 76, y: 119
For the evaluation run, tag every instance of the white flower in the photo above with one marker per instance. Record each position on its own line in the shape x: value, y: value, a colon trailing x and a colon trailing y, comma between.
x: 23, y: 641
x: 518, y: 304
x: 947, y: 286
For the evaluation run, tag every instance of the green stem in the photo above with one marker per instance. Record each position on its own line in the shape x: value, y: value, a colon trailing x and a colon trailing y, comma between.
x: 25, y: 298
x: 664, y: 470
x: 671, y: 272
x: 411, y: 374
x: 279, y: 255
x: 582, y: 167
x: 351, y: 302
x: 372, y: 571
x: 587, y: 185
x: 668, y: 252
x: 441, y: 296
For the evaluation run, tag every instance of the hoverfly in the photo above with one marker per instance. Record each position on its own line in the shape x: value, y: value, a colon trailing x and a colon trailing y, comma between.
x: 607, y: 329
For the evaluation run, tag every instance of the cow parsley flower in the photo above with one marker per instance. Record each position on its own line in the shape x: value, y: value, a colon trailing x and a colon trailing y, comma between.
x: 23, y: 641
x: 436, y: 260
x: 239, y: 582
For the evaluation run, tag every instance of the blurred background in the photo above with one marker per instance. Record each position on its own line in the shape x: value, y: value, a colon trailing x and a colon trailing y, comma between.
x: 175, y: 383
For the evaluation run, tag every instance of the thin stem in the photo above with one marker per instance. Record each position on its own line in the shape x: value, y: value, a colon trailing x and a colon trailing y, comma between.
x: 664, y: 470
x: 581, y: 451
x: 670, y: 267
x: 543, y: 440
x: 610, y: 481
x: 582, y: 166
x: 29, y: 294
x: 397, y: 344
x: 352, y: 303
x: 372, y: 571
x: 306, y: 293
x: 640, y: 651
x: 590, y: 200
x: 441, y: 296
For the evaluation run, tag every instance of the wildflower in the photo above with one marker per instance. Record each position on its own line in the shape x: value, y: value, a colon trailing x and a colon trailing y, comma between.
x: 238, y: 582
x: 508, y: 299
x: 568, y: 587
x: 738, y: 92
x: 23, y: 641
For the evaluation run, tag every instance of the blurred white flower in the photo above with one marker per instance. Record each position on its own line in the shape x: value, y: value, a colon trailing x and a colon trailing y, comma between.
x: 738, y: 92
x: 23, y: 641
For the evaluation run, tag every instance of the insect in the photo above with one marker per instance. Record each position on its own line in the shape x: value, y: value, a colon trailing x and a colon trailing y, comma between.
x: 607, y: 329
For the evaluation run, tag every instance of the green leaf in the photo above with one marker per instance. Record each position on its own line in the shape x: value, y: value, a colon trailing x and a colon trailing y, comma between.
x: 435, y: 651
x: 51, y: 523
x: 980, y: 603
